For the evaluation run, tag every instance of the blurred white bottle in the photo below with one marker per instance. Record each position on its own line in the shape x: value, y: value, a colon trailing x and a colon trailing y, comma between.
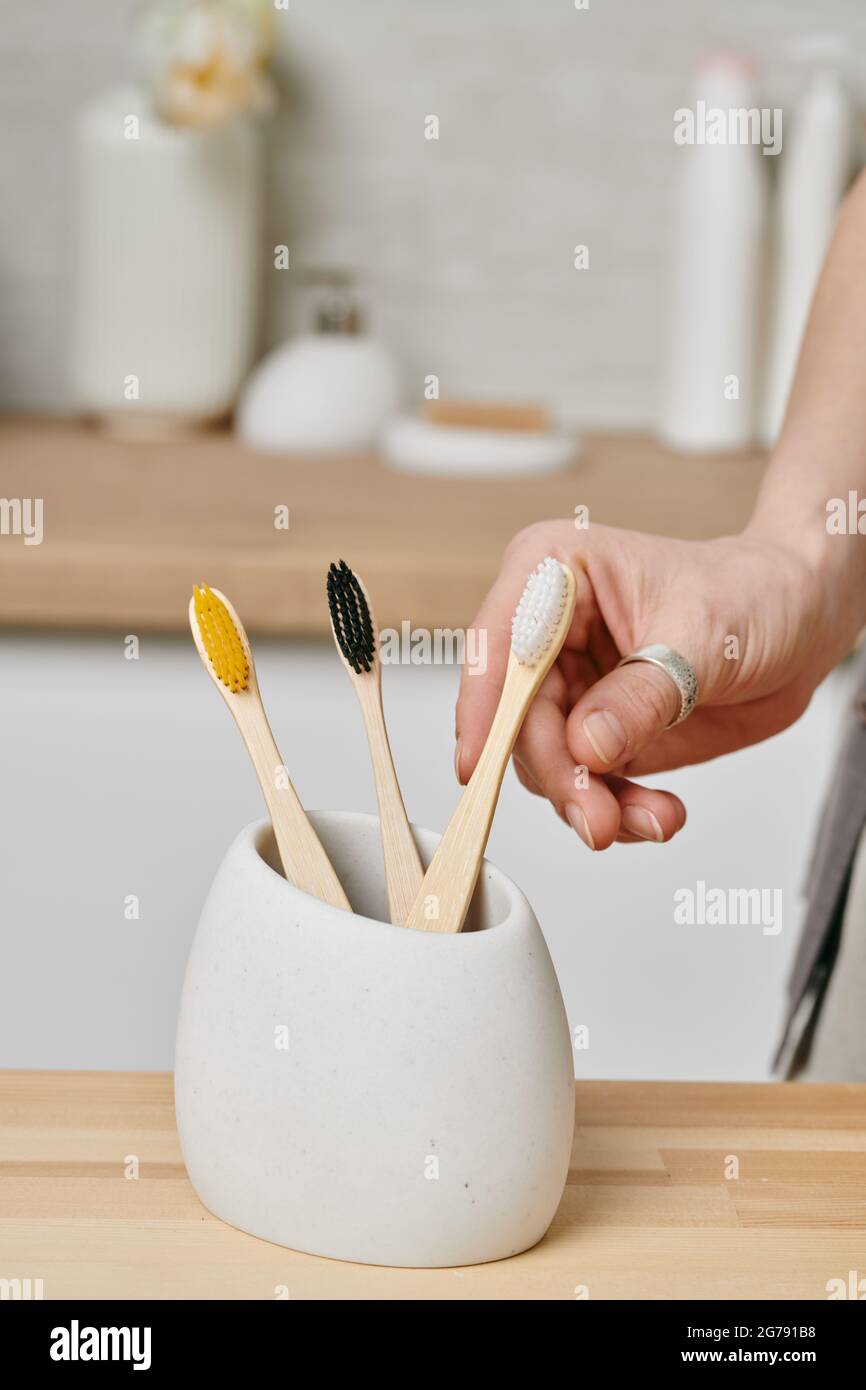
x: 709, y: 396
x: 815, y: 169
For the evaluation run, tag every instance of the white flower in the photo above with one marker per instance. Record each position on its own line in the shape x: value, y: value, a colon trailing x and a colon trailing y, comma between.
x: 206, y: 59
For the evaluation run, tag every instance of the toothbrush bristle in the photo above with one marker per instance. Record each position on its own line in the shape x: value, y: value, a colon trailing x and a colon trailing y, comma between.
x: 538, y: 613
x: 221, y: 640
x: 350, y: 618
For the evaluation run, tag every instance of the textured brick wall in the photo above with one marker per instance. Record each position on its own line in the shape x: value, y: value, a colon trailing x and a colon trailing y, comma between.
x: 555, y: 128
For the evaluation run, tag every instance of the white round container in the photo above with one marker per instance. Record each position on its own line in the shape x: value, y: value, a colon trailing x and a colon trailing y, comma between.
x: 167, y: 265
x: 321, y: 391
x: 421, y: 1112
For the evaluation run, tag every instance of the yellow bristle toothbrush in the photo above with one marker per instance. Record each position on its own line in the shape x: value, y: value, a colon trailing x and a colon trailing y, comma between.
x: 225, y: 650
x: 538, y: 629
x: 355, y: 635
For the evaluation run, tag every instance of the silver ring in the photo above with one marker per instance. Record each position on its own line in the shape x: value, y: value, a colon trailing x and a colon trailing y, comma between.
x: 680, y: 671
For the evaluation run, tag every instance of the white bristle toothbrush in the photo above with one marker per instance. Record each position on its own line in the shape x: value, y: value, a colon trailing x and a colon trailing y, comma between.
x: 538, y: 629
x: 225, y: 650
x: 355, y: 635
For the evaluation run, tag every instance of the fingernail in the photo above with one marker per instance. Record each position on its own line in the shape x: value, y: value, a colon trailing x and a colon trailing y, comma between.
x: 578, y: 822
x: 642, y: 823
x: 457, y: 759
x: 606, y: 734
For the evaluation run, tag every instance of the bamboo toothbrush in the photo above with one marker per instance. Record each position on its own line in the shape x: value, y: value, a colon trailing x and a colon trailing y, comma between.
x: 224, y: 648
x: 541, y: 620
x: 355, y: 635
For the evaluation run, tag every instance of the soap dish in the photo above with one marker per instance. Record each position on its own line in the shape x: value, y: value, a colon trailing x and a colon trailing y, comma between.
x: 412, y: 445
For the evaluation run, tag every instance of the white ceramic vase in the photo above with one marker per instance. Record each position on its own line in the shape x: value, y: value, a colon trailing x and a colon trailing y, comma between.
x: 357, y: 1090
x: 167, y: 266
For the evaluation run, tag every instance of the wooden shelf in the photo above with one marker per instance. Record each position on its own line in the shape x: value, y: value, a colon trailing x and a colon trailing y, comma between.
x: 648, y: 1211
x: 129, y: 527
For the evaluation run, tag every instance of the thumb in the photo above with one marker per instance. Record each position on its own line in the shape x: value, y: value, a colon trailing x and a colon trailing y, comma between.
x: 622, y: 714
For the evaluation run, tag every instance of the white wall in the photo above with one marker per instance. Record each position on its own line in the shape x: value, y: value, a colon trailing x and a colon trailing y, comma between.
x: 555, y: 128
x: 120, y: 777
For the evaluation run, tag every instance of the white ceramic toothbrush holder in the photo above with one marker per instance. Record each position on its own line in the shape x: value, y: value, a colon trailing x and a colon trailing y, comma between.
x: 366, y: 1092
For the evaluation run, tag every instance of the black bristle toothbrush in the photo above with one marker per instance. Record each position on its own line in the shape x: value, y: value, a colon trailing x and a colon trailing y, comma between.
x: 355, y: 635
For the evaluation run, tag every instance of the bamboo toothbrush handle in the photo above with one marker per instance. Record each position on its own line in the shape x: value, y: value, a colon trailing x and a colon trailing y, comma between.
x: 305, y: 862
x: 539, y: 628
x: 450, y: 880
x: 403, y: 870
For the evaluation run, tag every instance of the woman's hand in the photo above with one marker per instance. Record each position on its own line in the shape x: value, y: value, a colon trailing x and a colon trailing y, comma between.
x: 748, y: 613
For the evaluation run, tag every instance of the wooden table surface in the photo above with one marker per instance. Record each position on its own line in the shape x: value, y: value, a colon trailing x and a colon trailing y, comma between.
x: 648, y: 1212
x: 129, y: 527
